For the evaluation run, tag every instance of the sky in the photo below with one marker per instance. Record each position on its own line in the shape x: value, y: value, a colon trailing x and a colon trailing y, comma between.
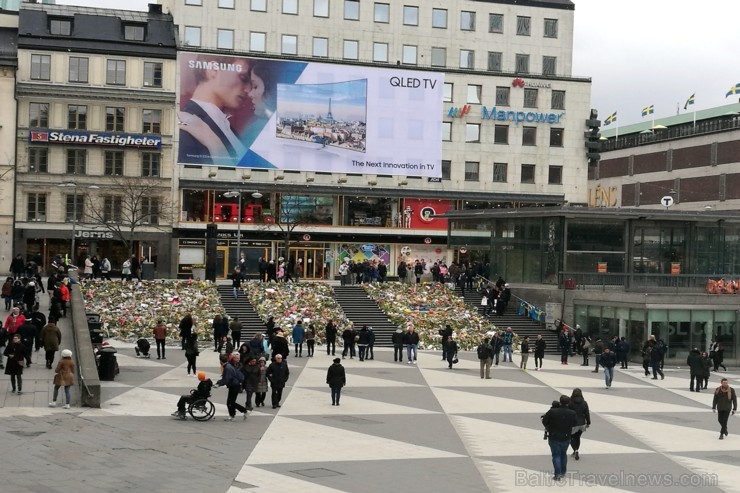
x: 639, y: 53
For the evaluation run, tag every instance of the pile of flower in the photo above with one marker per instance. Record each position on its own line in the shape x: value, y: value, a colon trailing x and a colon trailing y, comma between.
x: 311, y: 302
x: 129, y: 311
x: 429, y: 307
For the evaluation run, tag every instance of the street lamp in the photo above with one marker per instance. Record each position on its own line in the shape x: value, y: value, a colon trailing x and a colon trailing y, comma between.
x: 71, y: 184
x: 231, y: 195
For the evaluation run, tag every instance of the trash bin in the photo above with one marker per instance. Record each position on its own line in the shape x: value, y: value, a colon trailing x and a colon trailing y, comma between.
x: 95, y: 326
x: 107, y: 363
x: 570, y: 284
x: 92, y: 317
x: 147, y: 271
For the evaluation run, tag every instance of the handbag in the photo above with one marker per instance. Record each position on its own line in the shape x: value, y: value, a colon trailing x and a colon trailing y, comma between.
x: 455, y: 360
x: 484, y: 301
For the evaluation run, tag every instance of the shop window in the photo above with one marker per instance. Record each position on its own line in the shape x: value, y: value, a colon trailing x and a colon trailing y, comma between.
x: 369, y: 211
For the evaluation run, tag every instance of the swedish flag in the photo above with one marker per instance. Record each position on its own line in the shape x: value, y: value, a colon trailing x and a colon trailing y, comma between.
x: 649, y: 110
x: 611, y: 118
x: 733, y: 90
x: 689, y: 101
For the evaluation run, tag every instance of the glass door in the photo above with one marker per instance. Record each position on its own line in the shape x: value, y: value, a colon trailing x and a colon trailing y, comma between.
x: 222, y: 264
x: 311, y: 260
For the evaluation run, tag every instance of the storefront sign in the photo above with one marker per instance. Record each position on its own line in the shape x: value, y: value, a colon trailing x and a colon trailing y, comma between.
x: 193, y: 242
x: 520, y: 116
x: 306, y: 237
x: 601, y: 267
x: 523, y: 83
x: 418, y: 213
x: 463, y: 250
x: 602, y: 196
x: 93, y: 138
x: 455, y: 112
x: 94, y: 235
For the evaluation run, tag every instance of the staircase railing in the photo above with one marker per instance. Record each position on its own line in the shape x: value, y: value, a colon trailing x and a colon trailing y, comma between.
x: 525, y: 309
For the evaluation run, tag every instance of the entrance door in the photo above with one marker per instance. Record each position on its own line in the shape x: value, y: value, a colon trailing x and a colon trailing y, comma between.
x: 312, y: 260
x: 222, y: 264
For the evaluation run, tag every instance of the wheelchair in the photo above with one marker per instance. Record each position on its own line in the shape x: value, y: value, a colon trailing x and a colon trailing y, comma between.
x: 201, y: 409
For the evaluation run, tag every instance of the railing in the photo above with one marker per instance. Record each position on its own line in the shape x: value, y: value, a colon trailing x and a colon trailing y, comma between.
x: 525, y: 309
x: 642, y: 282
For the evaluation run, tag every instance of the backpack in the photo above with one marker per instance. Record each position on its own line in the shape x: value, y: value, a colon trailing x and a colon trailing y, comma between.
x: 660, y: 347
x: 483, y: 351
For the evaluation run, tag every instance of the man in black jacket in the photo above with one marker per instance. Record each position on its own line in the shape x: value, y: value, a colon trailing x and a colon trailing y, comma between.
x: 330, y: 331
x: 696, y: 366
x: 411, y: 339
x: 279, y: 345
x: 608, y: 361
x: 277, y: 374
x: 559, y: 423
x: 348, y: 338
x: 724, y: 403
x: 336, y: 379
x: 397, y: 340
x: 445, y: 333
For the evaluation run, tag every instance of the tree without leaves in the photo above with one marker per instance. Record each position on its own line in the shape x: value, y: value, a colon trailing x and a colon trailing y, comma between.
x: 291, y: 213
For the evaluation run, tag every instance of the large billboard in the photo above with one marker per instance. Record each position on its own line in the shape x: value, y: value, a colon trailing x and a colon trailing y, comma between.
x: 305, y: 116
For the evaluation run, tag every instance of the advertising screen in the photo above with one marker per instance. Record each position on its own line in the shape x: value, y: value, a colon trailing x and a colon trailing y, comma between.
x: 305, y: 116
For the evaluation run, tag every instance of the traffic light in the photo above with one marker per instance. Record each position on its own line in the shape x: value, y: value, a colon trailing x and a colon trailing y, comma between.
x: 593, y: 138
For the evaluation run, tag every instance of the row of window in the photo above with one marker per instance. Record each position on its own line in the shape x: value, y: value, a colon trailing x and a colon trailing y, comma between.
x: 115, y: 118
x: 62, y: 26
x: 527, y: 172
x: 111, y: 209
x: 474, y: 95
x: 501, y: 134
x: 410, y: 15
x: 76, y: 159
x: 79, y: 71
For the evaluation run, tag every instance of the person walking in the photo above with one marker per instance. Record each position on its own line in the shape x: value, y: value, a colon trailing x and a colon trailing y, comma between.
x: 370, y: 343
x: 363, y: 339
x: 278, y: 374
x: 251, y: 379
x: 299, y: 334
x: 539, y: 352
x: 63, y: 377
x: 16, y: 354
x: 508, y: 340
x: 583, y: 420
x: 186, y: 328
x: 160, y: 337
x: 397, y: 340
x: 262, y: 385
x: 236, y: 282
x: 656, y: 358
x: 706, y: 363
x: 310, y: 340
x: 235, y: 326
x: 585, y: 348
x: 498, y: 343
x: 564, y: 344
x: 279, y: 345
x: 446, y: 333
x: 559, y: 423
x: 485, y: 357
x: 717, y: 353
x: 598, y: 350
x: 608, y: 361
x: 411, y: 340
x: 51, y: 338
x: 624, y: 353
x: 452, y: 348
x: 336, y: 379
x: 524, y: 349
x: 191, y: 353
x: 724, y: 403
x: 233, y: 379
x: 696, y: 369
x: 330, y: 332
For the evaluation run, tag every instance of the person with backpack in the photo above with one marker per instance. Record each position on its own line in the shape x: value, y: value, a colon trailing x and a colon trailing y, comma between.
x: 539, y: 352
x: 583, y: 420
x: 233, y: 379
x: 608, y: 361
x: 485, y: 357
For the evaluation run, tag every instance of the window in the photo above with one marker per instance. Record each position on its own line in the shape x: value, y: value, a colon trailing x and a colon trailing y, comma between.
x: 558, y: 100
x: 75, y: 208
x: 76, y: 161
x: 467, y: 21
x: 321, y: 47
x: 529, y: 136
x: 151, y: 120
x: 150, y: 163
x: 351, y: 49
x: 501, y: 134
x: 500, y: 170
x: 116, y: 72
x: 36, y: 210
x: 467, y: 59
x: 114, y: 119
x: 225, y: 39
x: 321, y: 8
x: 290, y: 7
x: 40, y: 67
x: 439, y: 57
x: 38, y: 160
x: 112, y: 209
x: 523, y: 25
x: 409, y: 55
x: 352, y: 10
x: 38, y: 115
x: 380, y: 52
x: 472, y: 132
x: 502, y: 95
x: 549, y: 65
x: 439, y: 18
x: 447, y: 97
x: 555, y: 175
x: 78, y: 69
x: 410, y: 15
x: 226, y: 4
x: 76, y: 117
x: 257, y: 41
x: 258, y: 5
x: 193, y: 2
x: 474, y: 93
x: 446, y: 169
x: 447, y: 131
x: 60, y: 27
x: 289, y: 44
x: 530, y: 97
x: 382, y: 13
x: 192, y: 36
x: 133, y: 32
x: 527, y: 173
x: 471, y: 170
x: 522, y: 64
x: 556, y: 137
x: 113, y: 163
x: 152, y: 74
x: 551, y: 28
x: 494, y: 61
x: 495, y: 23
x: 150, y: 210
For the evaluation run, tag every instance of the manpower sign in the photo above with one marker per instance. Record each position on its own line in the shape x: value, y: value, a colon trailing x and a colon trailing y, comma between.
x: 305, y: 116
x: 520, y: 116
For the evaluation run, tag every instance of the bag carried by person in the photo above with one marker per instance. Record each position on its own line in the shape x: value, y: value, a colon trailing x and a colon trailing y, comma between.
x: 483, y: 351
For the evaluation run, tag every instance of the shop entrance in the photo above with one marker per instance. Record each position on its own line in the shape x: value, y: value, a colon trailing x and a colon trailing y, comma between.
x: 312, y: 260
x: 222, y: 264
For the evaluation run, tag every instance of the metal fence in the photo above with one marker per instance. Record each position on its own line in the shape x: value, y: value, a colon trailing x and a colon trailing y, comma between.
x: 683, y: 283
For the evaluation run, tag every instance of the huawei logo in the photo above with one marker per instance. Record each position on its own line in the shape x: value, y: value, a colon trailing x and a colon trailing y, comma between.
x: 517, y: 83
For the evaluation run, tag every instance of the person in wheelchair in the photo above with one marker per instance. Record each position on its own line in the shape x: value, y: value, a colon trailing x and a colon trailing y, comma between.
x: 203, y: 391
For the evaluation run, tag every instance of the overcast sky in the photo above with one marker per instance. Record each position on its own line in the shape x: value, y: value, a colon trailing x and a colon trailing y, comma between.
x: 639, y: 52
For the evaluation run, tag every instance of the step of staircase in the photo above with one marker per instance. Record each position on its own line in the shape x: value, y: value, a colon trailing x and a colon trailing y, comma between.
x: 243, y: 309
x: 362, y: 310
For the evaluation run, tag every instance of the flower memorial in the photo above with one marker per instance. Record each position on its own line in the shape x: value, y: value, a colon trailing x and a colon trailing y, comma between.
x: 429, y: 307
x: 310, y: 302
x: 129, y: 311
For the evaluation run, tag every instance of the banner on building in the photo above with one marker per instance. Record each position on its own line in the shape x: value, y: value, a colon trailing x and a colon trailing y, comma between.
x: 417, y: 213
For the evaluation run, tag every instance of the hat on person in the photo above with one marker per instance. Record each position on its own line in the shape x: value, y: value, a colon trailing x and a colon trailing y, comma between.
x: 262, y: 358
x: 337, y: 360
x: 578, y: 326
x: 201, y: 375
x: 66, y: 353
x: 31, y: 283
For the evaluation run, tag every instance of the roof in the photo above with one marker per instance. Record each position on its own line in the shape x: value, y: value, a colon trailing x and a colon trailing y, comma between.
x: 708, y: 114
x: 70, y: 10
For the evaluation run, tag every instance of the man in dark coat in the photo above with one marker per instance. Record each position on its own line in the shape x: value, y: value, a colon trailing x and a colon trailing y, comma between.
x: 278, y: 374
x: 559, y: 423
x: 336, y: 379
x: 446, y: 333
x: 564, y: 343
x: 696, y: 367
x: 330, y: 332
x: 397, y: 340
x: 348, y: 337
x: 28, y: 332
x: 279, y: 345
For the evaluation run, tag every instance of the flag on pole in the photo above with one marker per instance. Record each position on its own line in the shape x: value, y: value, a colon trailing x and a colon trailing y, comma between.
x: 733, y: 90
x: 649, y: 110
x: 689, y: 101
x: 610, y: 119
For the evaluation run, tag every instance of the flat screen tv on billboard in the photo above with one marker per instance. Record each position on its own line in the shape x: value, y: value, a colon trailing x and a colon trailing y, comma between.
x: 304, y: 116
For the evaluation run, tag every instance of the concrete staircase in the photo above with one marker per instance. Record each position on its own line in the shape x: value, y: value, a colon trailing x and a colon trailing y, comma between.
x: 242, y: 308
x: 362, y: 310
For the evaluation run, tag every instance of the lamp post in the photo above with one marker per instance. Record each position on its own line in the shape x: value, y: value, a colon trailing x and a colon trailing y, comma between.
x: 72, y: 184
x: 231, y: 195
